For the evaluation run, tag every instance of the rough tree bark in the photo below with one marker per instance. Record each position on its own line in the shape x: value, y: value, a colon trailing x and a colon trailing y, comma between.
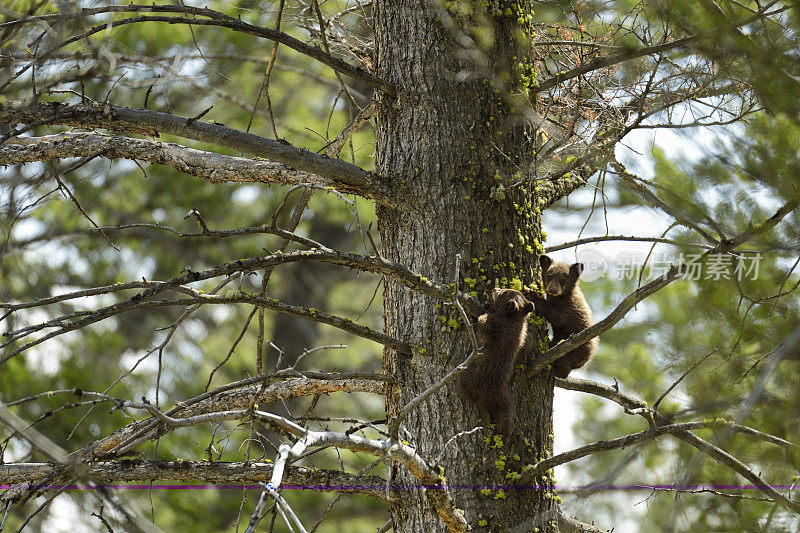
x: 452, y: 148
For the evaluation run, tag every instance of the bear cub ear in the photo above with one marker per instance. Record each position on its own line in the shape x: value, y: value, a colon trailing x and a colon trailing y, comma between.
x: 545, y: 262
x: 511, y: 307
x: 576, y: 269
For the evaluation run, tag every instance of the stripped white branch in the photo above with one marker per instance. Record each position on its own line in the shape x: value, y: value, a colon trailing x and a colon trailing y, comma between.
x: 403, y: 453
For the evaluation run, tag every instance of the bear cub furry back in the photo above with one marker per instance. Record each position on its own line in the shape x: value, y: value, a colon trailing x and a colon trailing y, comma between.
x: 487, y: 379
x: 566, y: 310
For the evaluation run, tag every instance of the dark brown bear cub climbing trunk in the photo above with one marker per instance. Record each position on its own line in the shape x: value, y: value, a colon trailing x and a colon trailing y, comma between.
x: 487, y: 380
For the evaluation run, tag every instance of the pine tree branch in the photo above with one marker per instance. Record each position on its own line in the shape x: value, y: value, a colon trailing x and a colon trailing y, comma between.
x: 682, y: 218
x: 429, y: 476
x: 214, y: 18
x: 599, y: 62
x: 147, y: 122
x: 603, y: 238
x: 139, y: 471
x: 211, y: 166
x: 145, y: 300
x: 530, y: 472
x: 681, y: 431
x: 565, y: 524
x: 638, y: 407
x: 737, y: 466
x: 227, y: 398
x: 81, y: 319
x: 674, y: 272
x: 608, y: 322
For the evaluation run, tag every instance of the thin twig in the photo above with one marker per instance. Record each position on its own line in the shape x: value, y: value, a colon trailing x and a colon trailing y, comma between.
x: 683, y: 376
x: 394, y: 427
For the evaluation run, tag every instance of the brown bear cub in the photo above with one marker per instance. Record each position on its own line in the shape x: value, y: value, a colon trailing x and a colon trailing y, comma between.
x: 566, y: 310
x: 487, y: 379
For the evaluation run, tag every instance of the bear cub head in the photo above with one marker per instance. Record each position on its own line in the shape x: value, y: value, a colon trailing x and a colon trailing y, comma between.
x: 559, y: 278
x: 510, y: 302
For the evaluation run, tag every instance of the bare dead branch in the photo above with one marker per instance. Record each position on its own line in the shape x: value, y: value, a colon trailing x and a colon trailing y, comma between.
x: 74, y: 322
x: 635, y: 406
x: 140, y: 471
x: 62, y: 469
x: 346, y: 176
x: 674, y: 272
x: 565, y: 523
x: 765, y: 225
x: 629, y: 403
x: 250, y: 230
x: 437, y: 492
x: 603, y: 238
x: 322, y: 34
x: 530, y: 472
x: 561, y: 185
x: 734, y: 464
x: 299, y: 312
x: 227, y: 398
x: 681, y: 378
x: 143, y: 300
x: 681, y: 431
x: 571, y: 525
x: 355, y: 125
x: 13, y: 422
x: 600, y: 62
x: 682, y: 218
x: 215, y: 18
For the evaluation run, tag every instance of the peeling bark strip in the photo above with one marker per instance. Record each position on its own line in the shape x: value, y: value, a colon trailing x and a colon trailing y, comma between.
x: 345, y: 176
x: 109, y: 472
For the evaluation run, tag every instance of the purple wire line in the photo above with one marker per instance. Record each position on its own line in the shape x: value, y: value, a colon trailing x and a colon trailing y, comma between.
x: 401, y: 487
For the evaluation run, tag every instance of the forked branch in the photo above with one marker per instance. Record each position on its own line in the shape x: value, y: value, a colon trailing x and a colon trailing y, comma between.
x: 147, y: 122
x: 682, y: 431
x: 212, y: 18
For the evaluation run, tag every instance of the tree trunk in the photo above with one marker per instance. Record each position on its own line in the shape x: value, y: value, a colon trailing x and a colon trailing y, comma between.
x: 452, y: 149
